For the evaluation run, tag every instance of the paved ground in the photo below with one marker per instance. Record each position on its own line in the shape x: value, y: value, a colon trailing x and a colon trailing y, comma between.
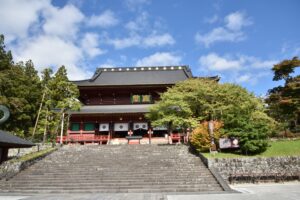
x: 286, y: 191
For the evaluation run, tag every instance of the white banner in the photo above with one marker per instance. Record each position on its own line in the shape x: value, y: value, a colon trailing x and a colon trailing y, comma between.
x: 137, y: 126
x: 160, y: 128
x: 104, y: 127
x: 121, y: 127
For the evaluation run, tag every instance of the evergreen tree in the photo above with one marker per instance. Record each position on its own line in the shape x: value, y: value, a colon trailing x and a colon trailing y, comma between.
x: 22, y: 91
x: 63, y: 96
x: 284, y: 101
x: 19, y: 91
x: 6, y: 60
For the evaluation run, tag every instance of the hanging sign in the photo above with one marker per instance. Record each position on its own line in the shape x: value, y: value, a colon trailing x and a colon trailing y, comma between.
x: 137, y: 126
x: 104, y: 127
x: 121, y: 127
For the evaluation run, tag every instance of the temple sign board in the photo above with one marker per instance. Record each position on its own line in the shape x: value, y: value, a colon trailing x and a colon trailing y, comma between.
x: 228, y: 143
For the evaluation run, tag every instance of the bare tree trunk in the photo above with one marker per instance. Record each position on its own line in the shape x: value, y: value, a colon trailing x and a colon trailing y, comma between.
x: 45, y: 128
x: 37, y: 118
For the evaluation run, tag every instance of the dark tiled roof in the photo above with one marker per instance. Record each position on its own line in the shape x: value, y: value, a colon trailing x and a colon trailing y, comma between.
x: 166, y: 75
x: 11, y: 141
x: 113, y: 109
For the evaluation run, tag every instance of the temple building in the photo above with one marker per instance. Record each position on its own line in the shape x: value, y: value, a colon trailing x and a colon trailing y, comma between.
x: 115, y: 101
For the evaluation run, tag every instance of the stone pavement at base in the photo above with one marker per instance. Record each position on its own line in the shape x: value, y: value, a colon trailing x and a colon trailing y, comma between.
x: 286, y: 191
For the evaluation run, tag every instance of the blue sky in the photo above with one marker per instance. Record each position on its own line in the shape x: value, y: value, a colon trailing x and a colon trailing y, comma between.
x: 237, y: 40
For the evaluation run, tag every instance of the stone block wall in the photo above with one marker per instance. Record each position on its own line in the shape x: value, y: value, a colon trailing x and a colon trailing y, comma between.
x: 288, y: 166
x: 10, y: 168
x: 23, y: 151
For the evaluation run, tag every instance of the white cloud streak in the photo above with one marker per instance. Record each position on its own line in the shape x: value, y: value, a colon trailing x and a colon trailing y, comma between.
x: 160, y: 59
x: 230, y: 32
x: 215, y: 62
x: 153, y: 40
x: 238, y: 68
x: 90, y: 43
x: 104, y: 20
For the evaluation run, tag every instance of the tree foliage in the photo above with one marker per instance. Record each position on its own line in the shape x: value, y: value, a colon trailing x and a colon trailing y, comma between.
x: 198, y: 99
x: 284, y: 101
x: 201, y: 139
x: 60, y: 96
x: 21, y: 90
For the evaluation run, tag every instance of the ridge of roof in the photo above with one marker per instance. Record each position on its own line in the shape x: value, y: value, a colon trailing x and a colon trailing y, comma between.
x: 100, y: 70
x: 143, y: 75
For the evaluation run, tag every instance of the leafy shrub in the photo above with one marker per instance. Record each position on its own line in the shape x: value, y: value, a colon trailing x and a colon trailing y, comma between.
x: 200, y: 136
x: 253, y: 134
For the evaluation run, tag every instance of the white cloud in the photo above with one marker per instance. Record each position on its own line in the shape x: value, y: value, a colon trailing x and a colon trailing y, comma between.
x: 235, y: 21
x: 52, y: 51
x: 159, y: 40
x: 230, y: 32
x: 106, y: 66
x: 236, y: 68
x: 159, y: 58
x: 89, y: 44
x: 153, y: 40
x: 134, y: 5
x: 62, y: 22
x: 17, y: 17
x: 104, y: 20
x: 48, y: 35
x: 43, y: 51
x: 261, y: 64
x: 212, y: 19
x: 219, y: 34
x: 215, y: 62
x: 139, y: 24
x: 243, y: 78
x: 121, y: 43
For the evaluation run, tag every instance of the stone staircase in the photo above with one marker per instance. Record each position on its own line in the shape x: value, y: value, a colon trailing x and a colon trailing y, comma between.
x: 117, y: 168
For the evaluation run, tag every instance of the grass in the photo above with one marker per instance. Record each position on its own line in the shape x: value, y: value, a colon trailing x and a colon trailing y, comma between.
x: 277, y: 148
x: 34, y: 155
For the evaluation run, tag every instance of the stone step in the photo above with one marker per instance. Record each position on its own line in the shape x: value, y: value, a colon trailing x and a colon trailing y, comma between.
x: 129, y: 173
x: 107, y: 182
x: 112, y: 179
x: 100, y: 186
x: 112, y: 190
x: 124, y: 168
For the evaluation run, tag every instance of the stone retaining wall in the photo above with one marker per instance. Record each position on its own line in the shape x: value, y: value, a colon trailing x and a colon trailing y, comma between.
x: 271, y: 167
x: 10, y: 168
x: 23, y: 151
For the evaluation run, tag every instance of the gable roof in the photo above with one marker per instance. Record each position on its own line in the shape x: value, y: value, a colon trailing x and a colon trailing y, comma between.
x: 160, y: 75
x: 11, y: 141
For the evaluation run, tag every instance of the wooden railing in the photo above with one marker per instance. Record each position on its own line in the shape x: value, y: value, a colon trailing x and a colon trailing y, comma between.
x: 84, y: 138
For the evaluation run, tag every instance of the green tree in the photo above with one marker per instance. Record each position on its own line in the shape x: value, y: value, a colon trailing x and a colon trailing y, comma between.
x: 63, y: 95
x: 196, y: 100
x: 42, y: 129
x: 284, y: 101
x: 19, y: 91
x: 6, y: 60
